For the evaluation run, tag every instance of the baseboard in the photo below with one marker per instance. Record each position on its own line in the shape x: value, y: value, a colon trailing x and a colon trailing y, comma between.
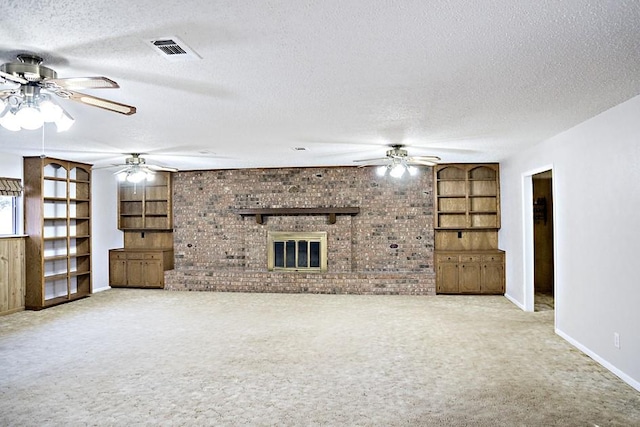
x: 514, y: 301
x: 624, y: 377
x: 106, y: 288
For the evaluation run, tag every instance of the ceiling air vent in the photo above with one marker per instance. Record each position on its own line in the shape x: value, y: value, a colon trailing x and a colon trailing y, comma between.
x: 173, y: 49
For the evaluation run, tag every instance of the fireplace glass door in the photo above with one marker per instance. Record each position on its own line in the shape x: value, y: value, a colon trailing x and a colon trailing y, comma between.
x: 297, y: 251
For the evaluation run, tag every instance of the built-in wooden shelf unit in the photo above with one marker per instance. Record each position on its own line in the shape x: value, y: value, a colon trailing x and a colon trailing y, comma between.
x: 466, y: 223
x: 57, y: 195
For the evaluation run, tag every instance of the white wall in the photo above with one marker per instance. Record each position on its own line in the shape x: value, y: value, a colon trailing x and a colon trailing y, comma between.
x: 596, y: 178
x: 104, y: 224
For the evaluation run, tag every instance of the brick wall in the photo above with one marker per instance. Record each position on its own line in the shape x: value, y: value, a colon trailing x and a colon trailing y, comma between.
x: 386, y: 249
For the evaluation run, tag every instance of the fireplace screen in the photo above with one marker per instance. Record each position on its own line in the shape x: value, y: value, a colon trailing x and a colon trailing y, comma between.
x: 297, y: 251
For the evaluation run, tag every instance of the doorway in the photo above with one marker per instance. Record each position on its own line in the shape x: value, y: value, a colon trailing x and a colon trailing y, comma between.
x: 543, y: 265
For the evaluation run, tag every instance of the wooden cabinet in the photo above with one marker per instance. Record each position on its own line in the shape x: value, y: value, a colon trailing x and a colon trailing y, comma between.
x: 470, y: 272
x: 146, y: 205
x: 11, y: 274
x: 139, y: 268
x: 57, y: 213
x: 467, y: 196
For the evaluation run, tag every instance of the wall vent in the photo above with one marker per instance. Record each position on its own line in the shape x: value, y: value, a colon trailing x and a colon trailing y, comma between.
x: 172, y: 49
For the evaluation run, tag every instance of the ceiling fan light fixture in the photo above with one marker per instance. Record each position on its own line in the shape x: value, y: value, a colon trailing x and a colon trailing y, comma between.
x: 33, y: 112
x: 51, y: 111
x: 29, y: 117
x: 8, y: 120
x: 413, y: 171
x: 381, y: 170
x: 135, y: 173
x: 136, y: 176
x: 64, y: 122
x: 397, y: 170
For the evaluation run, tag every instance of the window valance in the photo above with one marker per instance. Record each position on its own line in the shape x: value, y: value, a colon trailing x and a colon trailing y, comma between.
x: 10, y: 187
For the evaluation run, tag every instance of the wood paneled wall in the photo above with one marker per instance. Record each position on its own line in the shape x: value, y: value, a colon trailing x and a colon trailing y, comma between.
x: 11, y: 274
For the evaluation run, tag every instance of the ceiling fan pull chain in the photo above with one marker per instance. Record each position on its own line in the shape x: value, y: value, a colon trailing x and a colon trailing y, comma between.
x: 42, y: 155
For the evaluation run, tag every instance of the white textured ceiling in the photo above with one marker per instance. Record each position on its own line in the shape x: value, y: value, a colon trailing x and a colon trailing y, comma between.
x: 466, y: 80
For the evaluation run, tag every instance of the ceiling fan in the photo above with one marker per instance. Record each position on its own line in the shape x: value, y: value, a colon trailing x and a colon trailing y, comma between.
x: 30, y: 102
x: 397, y: 161
x: 136, y: 169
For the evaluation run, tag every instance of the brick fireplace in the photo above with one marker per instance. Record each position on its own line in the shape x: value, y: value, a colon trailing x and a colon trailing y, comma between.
x: 386, y: 248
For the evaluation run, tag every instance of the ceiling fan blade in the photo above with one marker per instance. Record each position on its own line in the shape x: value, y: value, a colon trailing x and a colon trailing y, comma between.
x: 94, y: 101
x: 422, y: 162
x: 119, y: 171
x: 372, y: 160
x: 161, y: 168
x: 366, y: 165
x: 13, y: 78
x: 425, y: 158
x: 111, y: 166
x: 6, y: 93
x: 100, y: 82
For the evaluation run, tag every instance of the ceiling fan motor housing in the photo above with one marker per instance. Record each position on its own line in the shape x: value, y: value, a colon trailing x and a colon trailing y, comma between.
x: 396, y: 151
x: 135, y: 160
x: 29, y: 68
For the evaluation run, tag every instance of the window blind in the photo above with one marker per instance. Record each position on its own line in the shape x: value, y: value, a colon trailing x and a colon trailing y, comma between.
x: 10, y: 187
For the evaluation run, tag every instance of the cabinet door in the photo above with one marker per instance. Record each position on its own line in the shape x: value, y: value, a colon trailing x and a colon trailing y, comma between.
x: 135, y: 272
x: 117, y: 272
x: 493, y: 278
x: 153, y: 274
x: 469, y: 280
x: 447, y: 278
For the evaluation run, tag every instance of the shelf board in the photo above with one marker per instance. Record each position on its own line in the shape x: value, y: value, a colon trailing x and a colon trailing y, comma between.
x: 465, y: 228
x: 131, y: 215
x: 452, y: 196
x: 52, y: 238
x: 145, y: 229
x: 451, y: 212
x: 60, y: 300
x: 54, y: 178
x: 55, y: 258
x: 80, y: 236
x: 79, y: 273
x: 81, y: 255
x: 54, y: 199
x: 55, y: 277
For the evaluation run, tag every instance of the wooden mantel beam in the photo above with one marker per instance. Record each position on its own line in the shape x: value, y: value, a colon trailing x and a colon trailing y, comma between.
x: 332, y: 212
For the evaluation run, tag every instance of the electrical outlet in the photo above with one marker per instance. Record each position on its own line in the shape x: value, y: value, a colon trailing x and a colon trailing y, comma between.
x: 616, y: 340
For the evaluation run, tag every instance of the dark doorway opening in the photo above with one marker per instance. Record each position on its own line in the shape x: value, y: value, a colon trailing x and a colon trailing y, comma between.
x: 543, y: 274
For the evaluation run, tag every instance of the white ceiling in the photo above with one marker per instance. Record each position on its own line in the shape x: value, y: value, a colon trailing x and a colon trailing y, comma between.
x: 466, y: 80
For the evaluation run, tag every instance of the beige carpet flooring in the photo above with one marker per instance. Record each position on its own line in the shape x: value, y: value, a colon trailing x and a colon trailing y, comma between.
x: 159, y: 358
